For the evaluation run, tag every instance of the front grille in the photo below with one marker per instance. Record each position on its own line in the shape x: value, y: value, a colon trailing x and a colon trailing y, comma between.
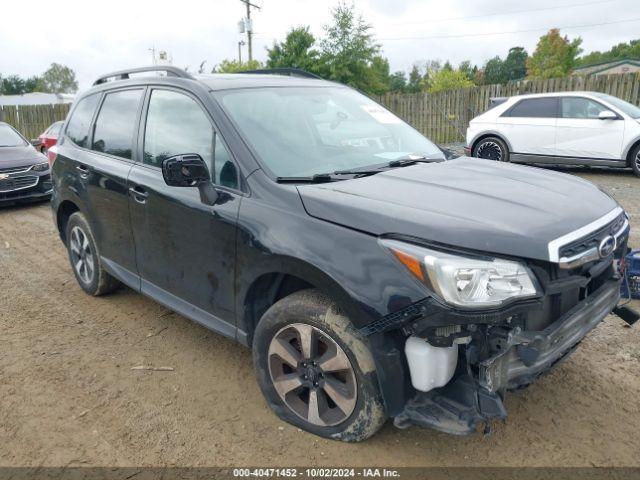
x: 18, y: 183
x: 564, y: 289
x: 592, y: 239
x: 23, y: 168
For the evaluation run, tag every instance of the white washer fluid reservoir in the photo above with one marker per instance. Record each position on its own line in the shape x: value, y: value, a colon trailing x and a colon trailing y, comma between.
x: 430, y: 367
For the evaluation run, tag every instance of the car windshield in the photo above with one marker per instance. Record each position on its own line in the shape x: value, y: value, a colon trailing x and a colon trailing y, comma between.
x: 9, y: 137
x: 626, y: 107
x: 305, y: 131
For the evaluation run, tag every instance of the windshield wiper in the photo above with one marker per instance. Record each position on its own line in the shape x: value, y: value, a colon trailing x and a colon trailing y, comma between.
x: 410, y: 160
x: 358, y: 172
x: 317, y: 178
x: 327, y: 177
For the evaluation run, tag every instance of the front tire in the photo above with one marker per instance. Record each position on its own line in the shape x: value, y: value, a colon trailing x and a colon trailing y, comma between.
x: 634, y: 160
x: 315, y: 371
x: 491, y: 148
x: 85, y: 258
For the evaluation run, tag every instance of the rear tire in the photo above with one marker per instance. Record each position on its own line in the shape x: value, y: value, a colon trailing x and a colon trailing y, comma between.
x: 85, y: 258
x: 634, y: 160
x: 333, y: 363
x: 492, y: 148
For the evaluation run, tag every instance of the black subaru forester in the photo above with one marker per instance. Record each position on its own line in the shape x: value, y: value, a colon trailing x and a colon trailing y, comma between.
x: 371, y: 277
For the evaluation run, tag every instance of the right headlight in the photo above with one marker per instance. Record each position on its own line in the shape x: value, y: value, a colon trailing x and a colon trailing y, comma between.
x: 40, y: 167
x: 464, y: 281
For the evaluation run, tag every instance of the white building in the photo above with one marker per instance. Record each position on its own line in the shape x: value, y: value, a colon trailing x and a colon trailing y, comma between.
x: 609, y: 68
x: 36, y: 98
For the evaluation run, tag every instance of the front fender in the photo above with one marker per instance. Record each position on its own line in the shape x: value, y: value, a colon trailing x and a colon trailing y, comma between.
x: 349, y: 266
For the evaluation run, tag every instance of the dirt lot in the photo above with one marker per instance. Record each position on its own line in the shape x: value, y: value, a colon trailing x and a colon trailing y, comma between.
x: 68, y: 395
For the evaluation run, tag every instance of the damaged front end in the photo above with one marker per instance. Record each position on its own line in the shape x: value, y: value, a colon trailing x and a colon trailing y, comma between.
x: 479, y: 356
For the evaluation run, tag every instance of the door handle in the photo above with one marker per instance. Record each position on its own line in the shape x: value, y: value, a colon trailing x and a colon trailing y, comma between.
x: 84, y: 170
x: 139, y: 194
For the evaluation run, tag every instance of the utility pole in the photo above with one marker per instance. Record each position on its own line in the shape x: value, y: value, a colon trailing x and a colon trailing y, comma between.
x: 249, y: 26
x: 240, y: 44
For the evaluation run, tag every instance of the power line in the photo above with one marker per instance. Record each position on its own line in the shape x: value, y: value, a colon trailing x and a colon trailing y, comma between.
x: 468, y: 17
x: 485, y: 34
x: 532, y: 10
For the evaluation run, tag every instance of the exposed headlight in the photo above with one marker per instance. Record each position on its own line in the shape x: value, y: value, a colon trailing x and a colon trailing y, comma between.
x: 465, y: 281
x: 40, y: 167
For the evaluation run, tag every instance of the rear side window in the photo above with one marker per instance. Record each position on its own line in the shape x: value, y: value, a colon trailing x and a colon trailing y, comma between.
x: 116, y: 123
x: 576, y: 107
x: 535, y: 108
x: 80, y: 121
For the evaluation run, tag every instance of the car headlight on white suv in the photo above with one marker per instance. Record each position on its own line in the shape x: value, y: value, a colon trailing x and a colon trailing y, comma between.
x: 40, y: 167
x: 465, y: 281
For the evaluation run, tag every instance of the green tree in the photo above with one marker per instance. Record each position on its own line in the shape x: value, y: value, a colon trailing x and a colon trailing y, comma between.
x: 446, y: 79
x: 431, y: 69
x: 297, y: 51
x: 398, y: 82
x: 494, y: 71
x: 13, y: 85
x: 470, y: 71
x: 234, y: 66
x: 58, y: 79
x: 380, y: 75
x: 555, y: 56
x: 630, y: 50
x: 515, y: 65
x: 348, y: 49
x: 414, y: 85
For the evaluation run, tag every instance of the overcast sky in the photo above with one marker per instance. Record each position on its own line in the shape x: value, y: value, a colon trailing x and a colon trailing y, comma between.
x: 118, y: 34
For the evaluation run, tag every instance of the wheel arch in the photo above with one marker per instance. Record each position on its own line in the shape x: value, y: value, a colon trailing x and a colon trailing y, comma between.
x: 487, y: 134
x: 630, y: 149
x: 63, y: 213
x: 271, y: 285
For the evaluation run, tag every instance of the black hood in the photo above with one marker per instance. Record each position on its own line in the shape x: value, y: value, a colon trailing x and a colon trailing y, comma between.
x: 19, y: 156
x: 469, y: 203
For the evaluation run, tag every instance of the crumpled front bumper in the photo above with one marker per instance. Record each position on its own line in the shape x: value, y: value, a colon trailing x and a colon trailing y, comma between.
x: 465, y: 402
x: 529, y: 354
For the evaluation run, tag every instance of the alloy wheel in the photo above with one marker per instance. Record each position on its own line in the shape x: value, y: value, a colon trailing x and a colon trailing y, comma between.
x: 637, y: 160
x: 81, y: 255
x: 312, y: 374
x: 490, y: 151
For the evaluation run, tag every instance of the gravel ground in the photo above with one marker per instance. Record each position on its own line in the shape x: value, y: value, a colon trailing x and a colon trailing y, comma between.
x: 68, y: 395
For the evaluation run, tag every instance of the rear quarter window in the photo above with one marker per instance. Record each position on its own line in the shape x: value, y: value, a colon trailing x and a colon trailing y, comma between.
x: 116, y: 123
x: 534, y: 108
x: 80, y: 121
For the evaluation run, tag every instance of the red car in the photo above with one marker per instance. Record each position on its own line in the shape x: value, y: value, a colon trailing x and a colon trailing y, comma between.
x: 50, y: 136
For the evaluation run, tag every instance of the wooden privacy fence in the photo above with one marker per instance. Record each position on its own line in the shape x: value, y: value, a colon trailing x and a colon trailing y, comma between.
x: 444, y: 117
x: 32, y: 120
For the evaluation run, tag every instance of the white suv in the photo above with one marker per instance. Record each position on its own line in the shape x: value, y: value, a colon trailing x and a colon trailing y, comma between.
x: 576, y: 128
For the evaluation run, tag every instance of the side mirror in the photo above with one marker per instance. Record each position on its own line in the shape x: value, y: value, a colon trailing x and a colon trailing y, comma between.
x: 36, y: 142
x: 190, y: 171
x: 184, y: 171
x: 607, y: 115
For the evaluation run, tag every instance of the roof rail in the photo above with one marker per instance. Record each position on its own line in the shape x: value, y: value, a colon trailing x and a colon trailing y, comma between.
x: 124, y: 74
x: 292, y: 72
